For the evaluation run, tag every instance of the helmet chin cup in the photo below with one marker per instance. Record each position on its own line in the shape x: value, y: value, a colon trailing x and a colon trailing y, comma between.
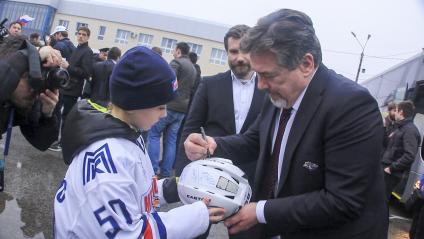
x: 217, y: 179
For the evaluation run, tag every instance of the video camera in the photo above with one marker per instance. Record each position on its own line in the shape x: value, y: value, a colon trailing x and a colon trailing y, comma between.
x: 3, y: 29
x: 40, y: 78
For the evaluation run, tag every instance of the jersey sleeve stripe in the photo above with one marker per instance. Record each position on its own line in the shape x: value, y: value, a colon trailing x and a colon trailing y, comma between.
x: 160, y: 225
x: 148, y: 233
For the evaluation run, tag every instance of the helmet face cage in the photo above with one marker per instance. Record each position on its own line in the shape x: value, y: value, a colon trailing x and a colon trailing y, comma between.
x: 217, y: 179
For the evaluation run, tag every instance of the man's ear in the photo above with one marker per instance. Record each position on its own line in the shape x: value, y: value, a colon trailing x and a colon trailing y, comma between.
x: 307, y: 65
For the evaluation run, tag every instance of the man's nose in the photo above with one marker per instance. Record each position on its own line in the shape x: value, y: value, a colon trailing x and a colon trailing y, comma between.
x: 240, y: 60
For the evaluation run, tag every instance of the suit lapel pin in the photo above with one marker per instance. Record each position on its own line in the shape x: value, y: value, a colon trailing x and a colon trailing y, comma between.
x: 310, y: 166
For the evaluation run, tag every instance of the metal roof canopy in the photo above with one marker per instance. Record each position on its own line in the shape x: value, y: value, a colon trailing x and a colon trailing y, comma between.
x: 394, y: 81
x: 114, y: 12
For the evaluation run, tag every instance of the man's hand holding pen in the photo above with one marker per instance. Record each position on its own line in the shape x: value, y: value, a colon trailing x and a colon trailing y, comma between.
x: 208, y: 153
x: 198, y: 146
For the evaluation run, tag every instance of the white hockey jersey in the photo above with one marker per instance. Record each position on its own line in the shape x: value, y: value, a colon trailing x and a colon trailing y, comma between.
x: 109, y: 192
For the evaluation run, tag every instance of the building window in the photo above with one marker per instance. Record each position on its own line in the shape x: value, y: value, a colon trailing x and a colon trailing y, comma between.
x: 102, y: 31
x: 122, y: 36
x: 168, y: 45
x: 218, y: 57
x: 195, y: 48
x: 145, y: 40
x: 64, y: 23
x: 81, y: 24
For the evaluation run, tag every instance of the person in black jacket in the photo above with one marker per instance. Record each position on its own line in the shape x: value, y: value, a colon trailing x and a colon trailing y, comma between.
x: 389, y: 123
x: 15, y: 28
x: 100, y: 78
x: 79, y: 68
x: 193, y: 58
x: 33, y: 112
x: 417, y: 225
x: 402, y: 146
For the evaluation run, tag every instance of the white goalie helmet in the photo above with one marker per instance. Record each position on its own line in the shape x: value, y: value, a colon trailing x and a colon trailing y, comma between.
x: 217, y: 179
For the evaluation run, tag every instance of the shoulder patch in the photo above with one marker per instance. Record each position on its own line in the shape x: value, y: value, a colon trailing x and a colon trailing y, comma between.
x: 99, y: 161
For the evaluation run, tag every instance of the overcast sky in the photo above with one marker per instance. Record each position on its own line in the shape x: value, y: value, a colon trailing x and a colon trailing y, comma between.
x: 396, y: 26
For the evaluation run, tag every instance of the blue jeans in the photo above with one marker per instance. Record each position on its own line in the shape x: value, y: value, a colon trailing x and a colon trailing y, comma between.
x: 169, y: 126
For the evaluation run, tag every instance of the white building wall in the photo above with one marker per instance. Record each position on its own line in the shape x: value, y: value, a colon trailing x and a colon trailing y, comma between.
x: 111, y: 32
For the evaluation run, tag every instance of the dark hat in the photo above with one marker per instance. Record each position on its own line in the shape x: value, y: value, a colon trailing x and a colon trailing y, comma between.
x: 141, y: 79
x: 106, y: 49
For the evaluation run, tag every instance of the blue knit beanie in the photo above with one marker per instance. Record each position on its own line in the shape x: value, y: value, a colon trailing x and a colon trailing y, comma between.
x: 141, y: 79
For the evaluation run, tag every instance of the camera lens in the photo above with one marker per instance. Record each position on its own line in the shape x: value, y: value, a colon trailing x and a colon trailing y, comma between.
x: 62, y: 76
x: 57, y: 78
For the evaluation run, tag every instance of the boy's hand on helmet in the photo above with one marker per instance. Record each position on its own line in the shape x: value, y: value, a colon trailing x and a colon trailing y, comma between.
x: 216, y: 214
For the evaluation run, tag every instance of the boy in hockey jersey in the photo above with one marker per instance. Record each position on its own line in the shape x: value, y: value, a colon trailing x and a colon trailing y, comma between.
x: 109, y: 190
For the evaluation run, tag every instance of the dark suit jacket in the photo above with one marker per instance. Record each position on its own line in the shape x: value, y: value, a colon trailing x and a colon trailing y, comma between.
x: 213, y: 108
x: 100, y: 81
x: 338, y: 128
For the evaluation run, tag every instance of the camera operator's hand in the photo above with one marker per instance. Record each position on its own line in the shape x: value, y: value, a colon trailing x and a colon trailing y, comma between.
x: 50, y: 56
x: 49, y: 100
x: 64, y: 64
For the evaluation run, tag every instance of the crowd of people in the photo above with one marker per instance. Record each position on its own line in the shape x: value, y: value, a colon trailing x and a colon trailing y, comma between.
x: 320, y: 161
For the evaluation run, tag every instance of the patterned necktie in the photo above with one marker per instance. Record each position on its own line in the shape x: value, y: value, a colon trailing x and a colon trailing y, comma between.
x: 271, y: 173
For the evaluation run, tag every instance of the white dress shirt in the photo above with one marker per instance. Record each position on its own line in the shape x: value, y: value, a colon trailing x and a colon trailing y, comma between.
x: 260, y: 213
x: 242, y: 97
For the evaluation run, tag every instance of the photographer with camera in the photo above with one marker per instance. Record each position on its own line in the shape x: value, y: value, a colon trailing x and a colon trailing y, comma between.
x: 25, y: 100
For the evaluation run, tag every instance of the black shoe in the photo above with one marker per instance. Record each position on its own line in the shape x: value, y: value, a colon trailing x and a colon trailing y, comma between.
x: 56, y: 147
x: 160, y: 176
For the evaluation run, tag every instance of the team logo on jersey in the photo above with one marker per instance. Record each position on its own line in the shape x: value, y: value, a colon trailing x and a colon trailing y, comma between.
x: 99, y: 161
x: 60, y: 196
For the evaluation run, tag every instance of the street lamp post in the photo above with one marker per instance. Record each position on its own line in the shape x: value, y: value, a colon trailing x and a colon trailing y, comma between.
x: 362, y: 54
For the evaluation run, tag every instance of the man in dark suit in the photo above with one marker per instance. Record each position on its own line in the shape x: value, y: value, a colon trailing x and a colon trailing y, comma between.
x: 101, y: 56
x: 100, y: 77
x: 323, y: 178
x: 226, y: 103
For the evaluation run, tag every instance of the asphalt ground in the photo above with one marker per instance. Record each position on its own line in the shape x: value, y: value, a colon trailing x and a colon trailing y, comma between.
x: 32, y: 178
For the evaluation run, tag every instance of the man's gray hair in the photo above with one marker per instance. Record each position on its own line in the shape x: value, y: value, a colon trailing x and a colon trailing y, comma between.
x: 287, y: 33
